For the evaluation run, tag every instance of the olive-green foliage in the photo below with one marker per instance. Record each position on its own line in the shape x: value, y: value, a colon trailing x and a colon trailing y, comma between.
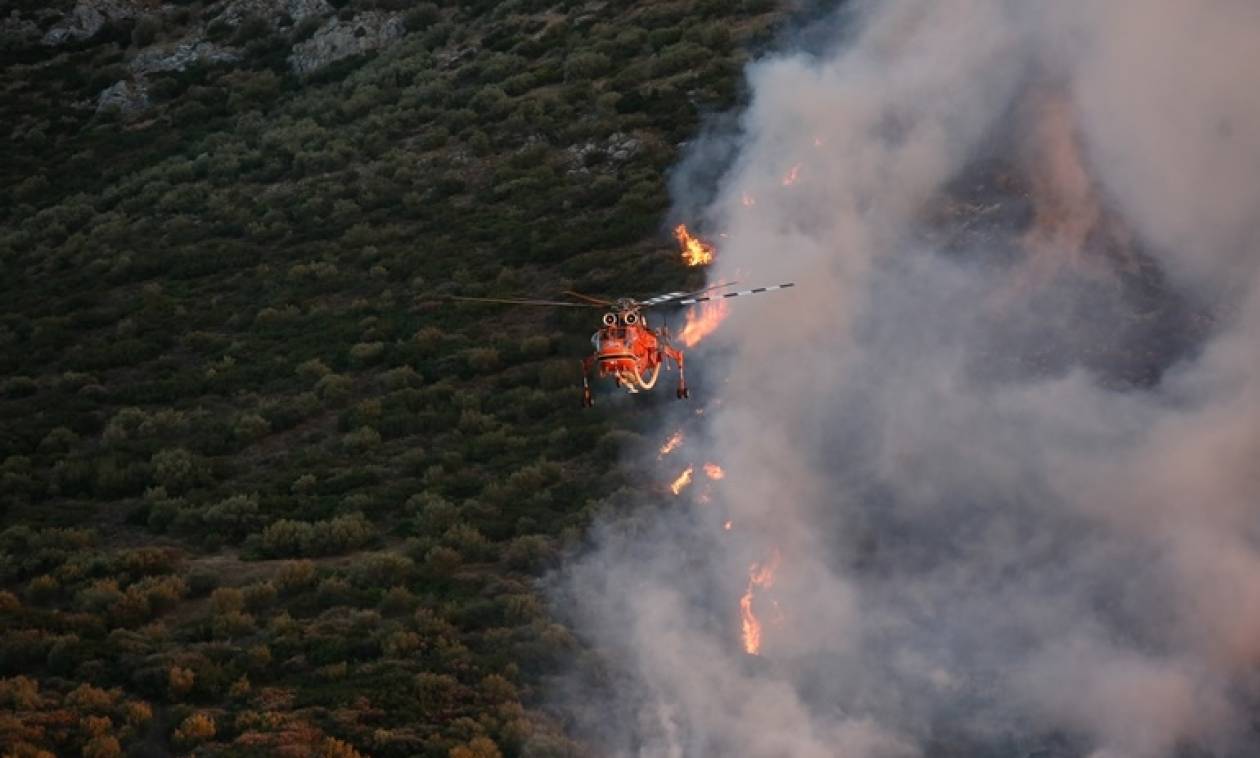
x: 225, y: 332
x: 288, y: 538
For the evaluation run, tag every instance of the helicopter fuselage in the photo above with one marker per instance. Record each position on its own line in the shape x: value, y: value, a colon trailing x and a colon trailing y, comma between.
x: 632, y: 354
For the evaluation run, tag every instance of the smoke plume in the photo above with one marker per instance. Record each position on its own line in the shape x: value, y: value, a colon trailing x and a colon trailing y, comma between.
x: 1004, y: 433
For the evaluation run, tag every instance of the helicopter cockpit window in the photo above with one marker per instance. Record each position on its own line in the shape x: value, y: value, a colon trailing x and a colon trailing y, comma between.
x: 613, y: 333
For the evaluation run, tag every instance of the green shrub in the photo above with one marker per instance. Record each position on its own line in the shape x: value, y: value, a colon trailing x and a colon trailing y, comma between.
x: 334, y: 388
x: 421, y: 17
x: 468, y: 540
x: 233, y: 516
x: 250, y: 427
x: 377, y: 569
x: 290, y: 538
x: 226, y: 599
x: 295, y: 575
x: 482, y: 359
x: 286, y: 538
x: 177, y: 470
x: 559, y: 373
x: 530, y: 553
x: 442, y: 561
x: 365, y: 353
x: 586, y: 65
x: 361, y: 440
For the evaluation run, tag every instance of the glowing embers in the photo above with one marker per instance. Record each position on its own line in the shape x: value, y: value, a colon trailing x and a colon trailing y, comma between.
x: 792, y: 175
x: 682, y: 481
x: 671, y: 444
x: 714, y: 471
x: 760, y: 577
x: 695, y: 251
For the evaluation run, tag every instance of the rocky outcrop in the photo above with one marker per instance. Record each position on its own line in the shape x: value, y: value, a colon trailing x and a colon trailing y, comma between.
x: 179, y: 56
x: 617, y: 148
x: 127, y: 97
x: 339, y: 39
x: 274, y: 10
x: 86, y: 20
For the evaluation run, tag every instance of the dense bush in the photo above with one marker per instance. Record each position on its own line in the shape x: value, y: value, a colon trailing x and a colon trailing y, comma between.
x: 224, y: 333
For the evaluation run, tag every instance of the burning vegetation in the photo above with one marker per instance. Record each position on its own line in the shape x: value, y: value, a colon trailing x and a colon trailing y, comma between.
x: 682, y: 481
x: 671, y: 444
x: 760, y: 577
x: 696, y: 252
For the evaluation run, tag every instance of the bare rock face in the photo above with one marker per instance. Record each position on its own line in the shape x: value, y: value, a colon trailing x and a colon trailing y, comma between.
x: 300, y: 9
x: 618, y: 147
x: 273, y: 10
x: 180, y: 55
x: 87, y: 18
x: 339, y: 39
x: 126, y: 97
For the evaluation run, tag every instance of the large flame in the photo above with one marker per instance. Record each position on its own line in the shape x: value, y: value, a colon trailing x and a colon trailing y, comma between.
x: 760, y: 576
x: 671, y: 444
x: 702, y: 320
x: 682, y: 481
x: 695, y: 251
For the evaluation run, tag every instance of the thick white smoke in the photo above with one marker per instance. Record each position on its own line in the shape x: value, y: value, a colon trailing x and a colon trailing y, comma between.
x: 1006, y: 431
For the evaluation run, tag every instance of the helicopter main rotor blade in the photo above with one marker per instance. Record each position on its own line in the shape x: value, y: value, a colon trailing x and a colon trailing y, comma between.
x: 515, y: 301
x: 670, y: 296
x: 725, y: 295
x: 588, y: 298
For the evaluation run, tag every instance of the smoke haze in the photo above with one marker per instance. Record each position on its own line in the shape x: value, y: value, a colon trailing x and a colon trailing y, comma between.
x: 1005, y: 432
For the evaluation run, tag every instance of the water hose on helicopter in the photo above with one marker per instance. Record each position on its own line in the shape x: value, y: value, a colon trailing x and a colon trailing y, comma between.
x: 655, y: 375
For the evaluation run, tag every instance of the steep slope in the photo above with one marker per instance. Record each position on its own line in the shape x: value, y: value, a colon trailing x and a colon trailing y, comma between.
x: 262, y: 490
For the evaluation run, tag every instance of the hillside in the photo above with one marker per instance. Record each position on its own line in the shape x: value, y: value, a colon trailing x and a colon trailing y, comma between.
x: 263, y: 491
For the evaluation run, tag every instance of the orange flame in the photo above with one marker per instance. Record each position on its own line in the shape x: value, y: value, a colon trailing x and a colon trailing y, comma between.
x: 713, y: 471
x: 792, y: 175
x: 702, y: 321
x: 671, y: 444
x: 727, y: 525
x: 760, y: 576
x: 751, y: 626
x: 695, y: 251
x: 682, y: 481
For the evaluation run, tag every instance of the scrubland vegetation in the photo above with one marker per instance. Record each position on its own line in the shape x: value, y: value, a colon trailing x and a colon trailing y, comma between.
x: 262, y: 490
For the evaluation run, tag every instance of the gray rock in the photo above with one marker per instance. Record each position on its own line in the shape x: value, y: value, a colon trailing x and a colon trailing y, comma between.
x: 179, y: 56
x: 449, y: 58
x: 300, y: 9
x: 87, y: 18
x: 622, y: 146
x: 618, y: 147
x: 274, y: 10
x: 127, y: 97
x: 339, y: 39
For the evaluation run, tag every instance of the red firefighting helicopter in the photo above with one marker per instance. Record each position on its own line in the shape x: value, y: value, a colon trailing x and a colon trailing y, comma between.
x: 626, y: 347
